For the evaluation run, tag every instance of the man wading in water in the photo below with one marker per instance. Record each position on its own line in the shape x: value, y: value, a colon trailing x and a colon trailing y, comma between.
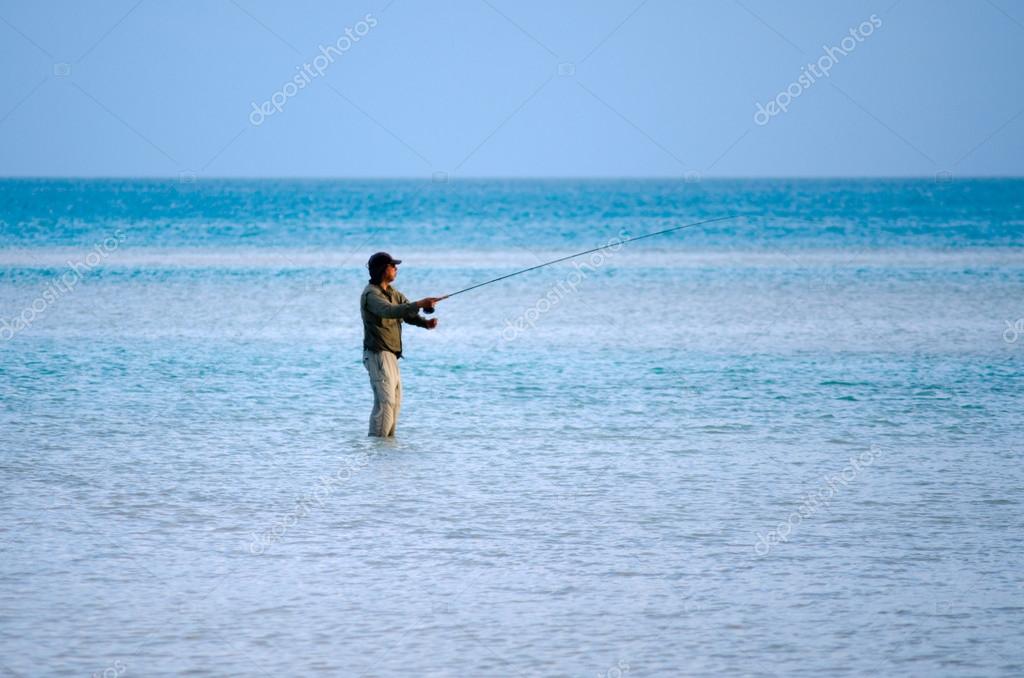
x: 384, y: 309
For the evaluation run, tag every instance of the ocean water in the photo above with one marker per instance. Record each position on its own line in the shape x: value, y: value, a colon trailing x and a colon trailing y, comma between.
x: 785, y: 444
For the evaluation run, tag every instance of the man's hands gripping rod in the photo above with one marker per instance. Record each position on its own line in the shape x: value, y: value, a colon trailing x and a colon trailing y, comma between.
x: 427, y: 304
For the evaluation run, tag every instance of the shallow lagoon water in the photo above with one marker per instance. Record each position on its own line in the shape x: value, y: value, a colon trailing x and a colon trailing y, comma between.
x: 188, y: 490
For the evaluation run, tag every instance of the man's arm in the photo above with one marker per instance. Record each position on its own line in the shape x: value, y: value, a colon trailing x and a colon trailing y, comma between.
x: 417, y: 320
x: 378, y: 304
x: 413, y: 317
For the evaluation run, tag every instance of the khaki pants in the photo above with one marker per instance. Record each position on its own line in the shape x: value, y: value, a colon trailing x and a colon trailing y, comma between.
x: 387, y: 391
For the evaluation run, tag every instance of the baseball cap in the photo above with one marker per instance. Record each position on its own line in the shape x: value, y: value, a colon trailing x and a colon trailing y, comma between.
x: 381, y: 260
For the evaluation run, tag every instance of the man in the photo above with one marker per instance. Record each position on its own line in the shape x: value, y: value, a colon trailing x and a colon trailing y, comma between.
x: 384, y: 309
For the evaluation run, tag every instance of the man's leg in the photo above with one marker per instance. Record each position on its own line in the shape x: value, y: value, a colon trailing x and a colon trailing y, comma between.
x: 392, y: 365
x: 382, y: 420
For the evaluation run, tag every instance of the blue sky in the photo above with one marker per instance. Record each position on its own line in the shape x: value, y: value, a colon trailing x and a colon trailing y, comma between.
x: 501, y: 88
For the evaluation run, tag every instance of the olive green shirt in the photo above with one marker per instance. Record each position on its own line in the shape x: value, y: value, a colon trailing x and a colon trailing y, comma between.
x: 383, y: 312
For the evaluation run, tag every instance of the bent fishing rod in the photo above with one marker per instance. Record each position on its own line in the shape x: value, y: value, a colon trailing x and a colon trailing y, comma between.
x: 580, y: 254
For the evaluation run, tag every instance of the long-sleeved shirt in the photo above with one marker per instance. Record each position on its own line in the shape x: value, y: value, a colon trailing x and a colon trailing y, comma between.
x: 383, y: 312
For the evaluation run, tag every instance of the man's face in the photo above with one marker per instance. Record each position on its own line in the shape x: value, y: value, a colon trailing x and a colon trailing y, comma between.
x: 390, y: 273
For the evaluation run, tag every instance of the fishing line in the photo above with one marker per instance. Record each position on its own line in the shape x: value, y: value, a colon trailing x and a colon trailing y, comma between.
x: 580, y: 254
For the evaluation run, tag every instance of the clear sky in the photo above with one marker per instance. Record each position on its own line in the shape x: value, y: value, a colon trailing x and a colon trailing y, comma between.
x: 511, y: 88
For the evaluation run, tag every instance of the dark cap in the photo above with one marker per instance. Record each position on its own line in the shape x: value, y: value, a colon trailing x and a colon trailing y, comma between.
x: 381, y: 260
x: 379, y: 263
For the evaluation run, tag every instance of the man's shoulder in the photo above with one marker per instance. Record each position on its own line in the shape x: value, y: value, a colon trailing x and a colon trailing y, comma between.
x: 368, y: 291
x: 391, y: 295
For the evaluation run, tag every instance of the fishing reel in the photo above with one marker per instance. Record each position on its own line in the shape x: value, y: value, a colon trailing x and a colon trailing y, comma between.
x: 430, y: 309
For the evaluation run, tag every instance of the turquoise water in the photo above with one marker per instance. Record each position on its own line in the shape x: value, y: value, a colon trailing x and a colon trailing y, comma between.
x: 783, y: 445
x: 487, y: 214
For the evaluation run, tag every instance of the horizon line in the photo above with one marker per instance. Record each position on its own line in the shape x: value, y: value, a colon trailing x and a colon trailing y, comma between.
x: 191, y: 178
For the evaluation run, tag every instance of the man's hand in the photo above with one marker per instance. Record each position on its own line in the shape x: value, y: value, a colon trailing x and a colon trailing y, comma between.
x: 427, y: 302
x: 431, y: 324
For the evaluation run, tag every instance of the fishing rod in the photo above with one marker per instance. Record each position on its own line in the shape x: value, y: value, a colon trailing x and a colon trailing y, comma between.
x: 580, y: 254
